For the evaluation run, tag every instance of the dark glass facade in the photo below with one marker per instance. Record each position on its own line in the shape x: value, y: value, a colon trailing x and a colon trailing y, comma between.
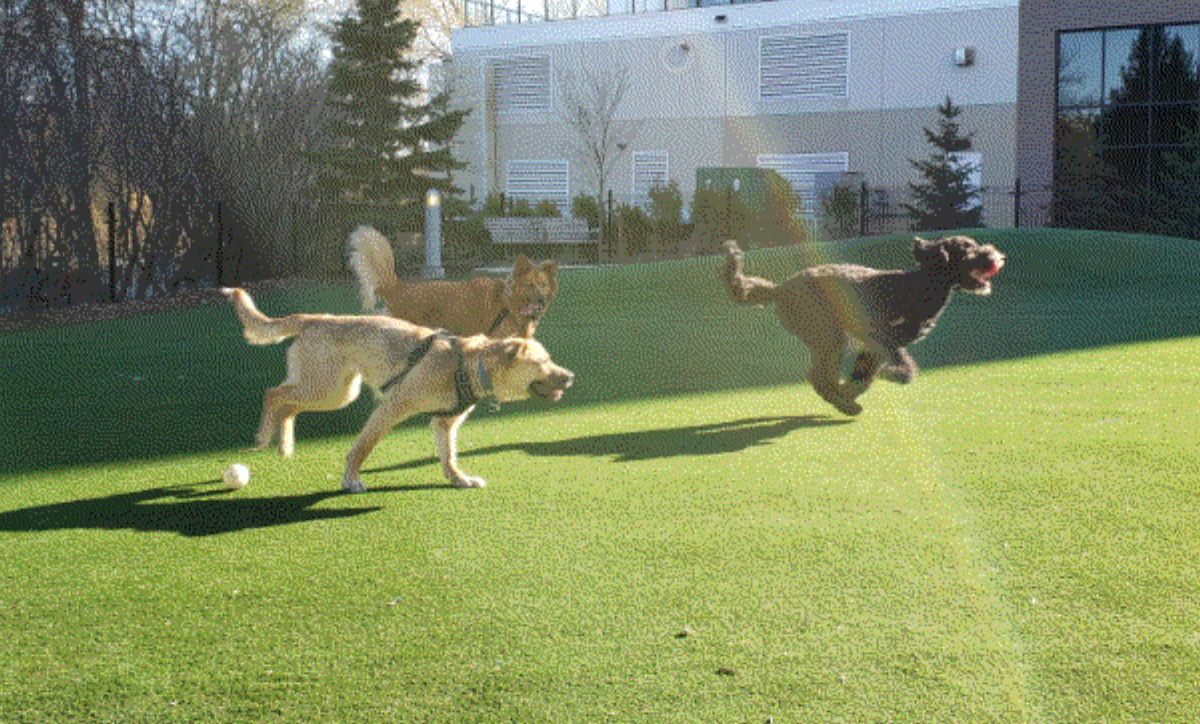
x: 1126, y: 99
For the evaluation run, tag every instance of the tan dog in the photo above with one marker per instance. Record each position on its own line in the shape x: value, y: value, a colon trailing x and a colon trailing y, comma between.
x: 412, y: 369
x: 885, y: 310
x: 483, y: 305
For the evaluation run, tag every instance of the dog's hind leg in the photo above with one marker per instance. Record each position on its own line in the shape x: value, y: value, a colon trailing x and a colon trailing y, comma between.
x: 268, y: 424
x: 312, y: 385
x: 901, y: 369
x: 445, y: 436
x: 824, y: 374
x: 278, y: 422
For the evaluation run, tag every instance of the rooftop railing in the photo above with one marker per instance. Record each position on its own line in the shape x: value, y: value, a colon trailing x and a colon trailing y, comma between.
x: 504, y: 12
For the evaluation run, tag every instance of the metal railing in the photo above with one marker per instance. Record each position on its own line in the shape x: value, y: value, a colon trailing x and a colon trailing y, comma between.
x: 503, y: 12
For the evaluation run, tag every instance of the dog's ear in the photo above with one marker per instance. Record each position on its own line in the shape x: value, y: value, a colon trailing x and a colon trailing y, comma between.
x: 521, y: 266
x: 928, y: 252
x: 510, y: 349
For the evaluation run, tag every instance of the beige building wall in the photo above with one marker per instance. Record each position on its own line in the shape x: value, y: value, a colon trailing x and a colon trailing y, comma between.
x: 694, y: 94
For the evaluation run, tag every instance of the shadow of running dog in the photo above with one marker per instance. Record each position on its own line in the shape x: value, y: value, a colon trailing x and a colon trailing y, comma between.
x: 691, y: 440
x: 186, y: 510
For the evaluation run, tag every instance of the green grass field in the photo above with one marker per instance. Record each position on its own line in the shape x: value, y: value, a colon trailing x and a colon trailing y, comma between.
x: 692, y: 536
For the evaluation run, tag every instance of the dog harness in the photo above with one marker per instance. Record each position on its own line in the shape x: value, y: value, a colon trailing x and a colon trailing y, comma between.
x: 465, y: 393
x: 499, y: 320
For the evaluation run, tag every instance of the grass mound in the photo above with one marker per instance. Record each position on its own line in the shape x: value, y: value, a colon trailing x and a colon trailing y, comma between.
x: 169, y: 383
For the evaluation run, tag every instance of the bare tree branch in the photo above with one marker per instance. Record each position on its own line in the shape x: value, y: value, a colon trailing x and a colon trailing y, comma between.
x: 589, y: 106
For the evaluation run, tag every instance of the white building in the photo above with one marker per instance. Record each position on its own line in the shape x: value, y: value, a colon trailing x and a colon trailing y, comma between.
x: 800, y: 86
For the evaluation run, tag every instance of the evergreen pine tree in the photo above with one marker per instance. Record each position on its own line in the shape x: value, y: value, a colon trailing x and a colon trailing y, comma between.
x: 946, y: 199
x: 1176, y: 195
x: 387, y: 145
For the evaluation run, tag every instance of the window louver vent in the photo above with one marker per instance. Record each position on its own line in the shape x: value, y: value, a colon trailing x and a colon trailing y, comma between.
x: 521, y: 84
x: 540, y: 180
x: 801, y: 169
x: 650, y: 168
x: 803, y: 66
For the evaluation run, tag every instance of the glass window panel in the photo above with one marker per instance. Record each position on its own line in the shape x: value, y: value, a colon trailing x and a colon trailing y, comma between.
x: 1165, y: 162
x: 1171, y: 124
x: 1173, y: 162
x: 1124, y: 126
x: 1076, y: 127
x: 1128, y: 58
x: 1178, y: 76
x: 1129, y: 166
x: 1080, y: 57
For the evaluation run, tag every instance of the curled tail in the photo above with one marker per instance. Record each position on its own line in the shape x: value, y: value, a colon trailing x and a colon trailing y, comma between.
x: 373, y: 263
x: 257, y: 327
x: 744, y: 289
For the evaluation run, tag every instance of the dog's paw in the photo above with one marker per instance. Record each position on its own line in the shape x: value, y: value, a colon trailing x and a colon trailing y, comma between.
x: 469, y: 481
x: 897, y: 375
x: 854, y: 389
x: 850, y: 408
x: 353, y: 485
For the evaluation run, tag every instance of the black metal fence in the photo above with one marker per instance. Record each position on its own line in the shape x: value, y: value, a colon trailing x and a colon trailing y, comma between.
x: 37, y: 269
x: 135, y: 260
x: 869, y: 210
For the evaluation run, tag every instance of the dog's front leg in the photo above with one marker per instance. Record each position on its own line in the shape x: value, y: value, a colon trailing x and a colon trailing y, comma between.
x: 445, y: 437
x: 386, y: 416
x: 862, y: 373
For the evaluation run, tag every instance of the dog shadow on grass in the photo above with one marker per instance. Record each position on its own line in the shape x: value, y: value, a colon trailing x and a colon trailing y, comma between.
x: 190, y: 510
x: 690, y: 440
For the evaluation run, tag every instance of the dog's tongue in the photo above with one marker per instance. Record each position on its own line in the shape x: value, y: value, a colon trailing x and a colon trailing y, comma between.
x: 989, y: 273
x: 556, y: 395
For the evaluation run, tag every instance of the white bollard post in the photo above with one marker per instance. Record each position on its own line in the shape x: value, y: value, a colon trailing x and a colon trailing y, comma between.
x: 433, y: 236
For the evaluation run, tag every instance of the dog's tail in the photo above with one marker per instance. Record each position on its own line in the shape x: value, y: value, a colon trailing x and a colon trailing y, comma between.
x: 373, y: 263
x: 744, y: 289
x: 257, y: 327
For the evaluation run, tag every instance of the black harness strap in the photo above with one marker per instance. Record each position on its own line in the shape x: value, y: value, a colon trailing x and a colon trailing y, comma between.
x: 412, y: 360
x: 499, y: 320
x: 462, y: 385
x: 465, y: 393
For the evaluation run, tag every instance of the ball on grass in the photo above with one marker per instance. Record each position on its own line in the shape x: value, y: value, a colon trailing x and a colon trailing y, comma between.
x: 236, y: 476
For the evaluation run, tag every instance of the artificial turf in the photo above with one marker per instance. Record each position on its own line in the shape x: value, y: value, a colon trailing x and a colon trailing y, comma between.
x: 692, y: 536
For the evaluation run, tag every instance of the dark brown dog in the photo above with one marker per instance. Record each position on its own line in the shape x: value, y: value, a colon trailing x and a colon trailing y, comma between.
x: 827, y: 306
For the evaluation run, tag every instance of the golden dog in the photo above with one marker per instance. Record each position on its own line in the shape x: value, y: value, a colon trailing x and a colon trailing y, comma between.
x: 412, y: 370
x: 483, y: 305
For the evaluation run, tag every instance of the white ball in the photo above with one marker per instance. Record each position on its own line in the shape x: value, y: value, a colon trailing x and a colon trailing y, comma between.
x: 236, y: 476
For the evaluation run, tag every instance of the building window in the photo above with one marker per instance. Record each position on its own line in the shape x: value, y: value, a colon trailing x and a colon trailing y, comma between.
x: 801, y: 171
x: 803, y: 66
x: 535, y: 181
x: 520, y: 84
x: 650, y: 169
x: 1127, y: 97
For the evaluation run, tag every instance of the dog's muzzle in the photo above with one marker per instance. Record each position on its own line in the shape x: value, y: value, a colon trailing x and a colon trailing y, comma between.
x: 981, y: 275
x: 553, y: 387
